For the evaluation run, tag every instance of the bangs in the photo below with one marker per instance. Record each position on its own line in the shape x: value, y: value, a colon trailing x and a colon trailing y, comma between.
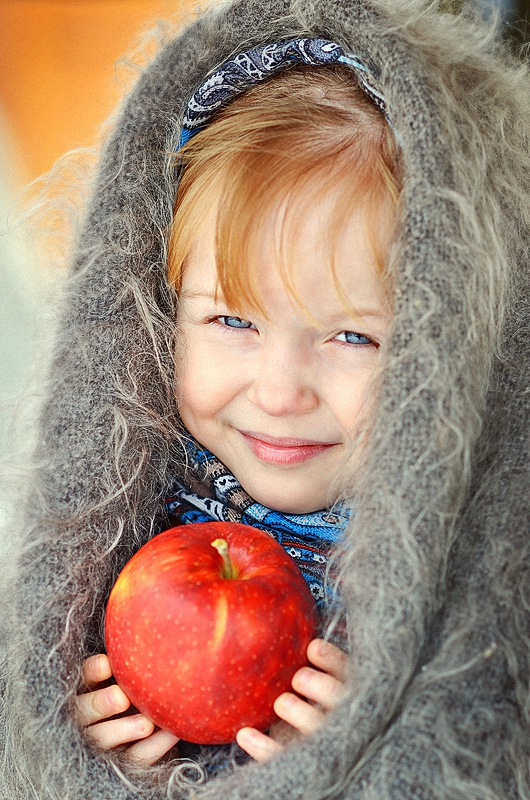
x: 273, y: 154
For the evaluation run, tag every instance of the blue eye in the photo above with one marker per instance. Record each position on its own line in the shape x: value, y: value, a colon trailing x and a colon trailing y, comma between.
x: 353, y: 338
x: 236, y: 322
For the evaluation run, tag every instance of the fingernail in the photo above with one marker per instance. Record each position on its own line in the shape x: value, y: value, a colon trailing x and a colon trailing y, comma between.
x: 115, y: 697
x: 143, y: 725
x: 249, y: 734
x: 303, y: 675
x: 102, y: 666
x: 286, y: 700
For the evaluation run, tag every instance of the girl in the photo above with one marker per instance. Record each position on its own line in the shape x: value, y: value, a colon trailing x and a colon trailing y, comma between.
x: 333, y: 312
x: 276, y: 399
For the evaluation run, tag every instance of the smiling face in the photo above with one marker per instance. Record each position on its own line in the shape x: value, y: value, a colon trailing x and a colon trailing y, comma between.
x: 277, y: 394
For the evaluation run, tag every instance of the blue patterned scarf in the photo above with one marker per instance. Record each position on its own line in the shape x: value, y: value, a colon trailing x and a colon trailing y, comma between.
x: 208, y: 491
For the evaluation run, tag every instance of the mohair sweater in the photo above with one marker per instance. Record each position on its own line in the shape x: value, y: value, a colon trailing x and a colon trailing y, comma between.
x: 436, y: 559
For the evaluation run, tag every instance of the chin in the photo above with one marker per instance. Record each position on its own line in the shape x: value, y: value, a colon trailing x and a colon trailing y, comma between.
x: 294, y: 505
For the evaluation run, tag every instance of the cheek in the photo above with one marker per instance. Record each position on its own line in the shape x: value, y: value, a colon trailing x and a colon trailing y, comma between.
x: 194, y: 386
x: 203, y: 383
x: 350, y: 400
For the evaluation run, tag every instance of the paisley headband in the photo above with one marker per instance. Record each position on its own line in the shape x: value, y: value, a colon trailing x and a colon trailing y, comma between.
x: 255, y: 66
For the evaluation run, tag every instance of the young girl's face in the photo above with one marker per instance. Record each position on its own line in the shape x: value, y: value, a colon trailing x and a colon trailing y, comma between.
x: 277, y: 397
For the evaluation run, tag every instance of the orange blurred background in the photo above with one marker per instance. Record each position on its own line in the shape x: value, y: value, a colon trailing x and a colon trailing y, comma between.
x: 58, y: 79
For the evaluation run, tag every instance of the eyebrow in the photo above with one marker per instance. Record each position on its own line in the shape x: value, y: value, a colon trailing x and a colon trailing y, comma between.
x: 200, y: 293
x: 362, y: 312
x: 369, y: 311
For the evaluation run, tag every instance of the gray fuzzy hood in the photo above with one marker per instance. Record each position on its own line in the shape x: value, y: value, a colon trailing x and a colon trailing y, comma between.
x: 435, y: 568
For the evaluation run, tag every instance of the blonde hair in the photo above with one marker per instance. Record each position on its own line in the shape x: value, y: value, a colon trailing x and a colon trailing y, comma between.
x: 281, y: 145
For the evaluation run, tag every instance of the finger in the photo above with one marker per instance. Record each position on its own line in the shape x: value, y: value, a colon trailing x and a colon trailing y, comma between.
x: 95, y: 670
x: 257, y: 745
x: 148, y: 751
x: 319, y: 687
x: 101, y: 704
x: 301, y: 715
x: 328, y: 657
x: 114, y: 732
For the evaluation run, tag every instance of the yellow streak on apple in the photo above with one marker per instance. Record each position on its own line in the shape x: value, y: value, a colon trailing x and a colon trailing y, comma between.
x: 121, y: 589
x: 221, y: 619
x: 128, y: 584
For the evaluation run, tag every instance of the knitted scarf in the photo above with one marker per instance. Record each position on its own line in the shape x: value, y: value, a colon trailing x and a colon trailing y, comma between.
x: 435, y: 564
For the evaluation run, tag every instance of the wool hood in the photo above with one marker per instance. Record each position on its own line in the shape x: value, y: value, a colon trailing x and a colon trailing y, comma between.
x: 435, y: 562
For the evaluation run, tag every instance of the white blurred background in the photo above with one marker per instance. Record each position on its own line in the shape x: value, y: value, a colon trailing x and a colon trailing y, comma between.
x: 17, y: 298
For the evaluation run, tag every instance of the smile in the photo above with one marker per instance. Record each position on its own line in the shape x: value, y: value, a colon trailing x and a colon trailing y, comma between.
x: 284, y: 450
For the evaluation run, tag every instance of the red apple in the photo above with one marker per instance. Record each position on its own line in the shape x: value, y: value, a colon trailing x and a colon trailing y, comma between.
x: 203, y: 641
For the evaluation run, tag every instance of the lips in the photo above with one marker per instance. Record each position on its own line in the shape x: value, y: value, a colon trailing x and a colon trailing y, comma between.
x: 284, y: 450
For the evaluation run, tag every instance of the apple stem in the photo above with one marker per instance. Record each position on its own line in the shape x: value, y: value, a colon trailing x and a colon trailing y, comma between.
x: 221, y: 545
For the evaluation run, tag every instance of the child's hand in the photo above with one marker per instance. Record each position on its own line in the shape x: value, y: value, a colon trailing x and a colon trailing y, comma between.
x: 97, y: 705
x: 323, y: 686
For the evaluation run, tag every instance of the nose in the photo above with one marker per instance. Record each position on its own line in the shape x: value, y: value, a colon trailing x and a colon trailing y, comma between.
x: 283, y: 382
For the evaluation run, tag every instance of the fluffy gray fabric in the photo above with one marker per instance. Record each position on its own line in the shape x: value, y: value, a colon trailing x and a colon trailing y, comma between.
x: 436, y: 579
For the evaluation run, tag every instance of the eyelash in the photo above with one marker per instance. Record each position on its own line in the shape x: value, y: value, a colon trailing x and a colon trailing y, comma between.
x: 223, y: 320
x: 367, y: 343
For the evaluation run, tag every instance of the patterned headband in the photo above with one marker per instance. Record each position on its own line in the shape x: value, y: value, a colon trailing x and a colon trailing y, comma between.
x: 255, y: 66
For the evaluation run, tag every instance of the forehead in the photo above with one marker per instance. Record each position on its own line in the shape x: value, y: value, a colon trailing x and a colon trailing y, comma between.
x: 311, y: 251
